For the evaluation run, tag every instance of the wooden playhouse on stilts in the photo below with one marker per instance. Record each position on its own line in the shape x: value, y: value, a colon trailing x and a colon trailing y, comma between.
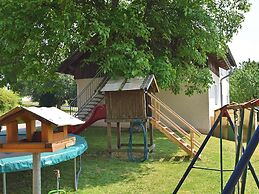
x: 128, y: 101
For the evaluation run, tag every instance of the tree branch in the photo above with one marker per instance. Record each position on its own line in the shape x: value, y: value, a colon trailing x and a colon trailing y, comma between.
x: 115, y: 3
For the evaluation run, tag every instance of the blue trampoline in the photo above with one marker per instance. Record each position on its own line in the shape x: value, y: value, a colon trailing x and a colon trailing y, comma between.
x: 12, y: 162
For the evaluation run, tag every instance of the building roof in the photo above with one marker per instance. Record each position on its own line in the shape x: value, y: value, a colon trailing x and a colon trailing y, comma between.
x: 74, y: 65
x: 137, y: 83
x: 225, y: 63
x: 52, y: 115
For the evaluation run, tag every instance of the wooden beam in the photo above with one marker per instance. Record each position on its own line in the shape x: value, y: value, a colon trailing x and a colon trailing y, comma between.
x: 151, y: 133
x: 30, y: 129
x: 12, y: 132
x: 109, y: 136
x: 46, y: 132
x: 118, y: 135
x: 25, y: 147
x: 65, y: 130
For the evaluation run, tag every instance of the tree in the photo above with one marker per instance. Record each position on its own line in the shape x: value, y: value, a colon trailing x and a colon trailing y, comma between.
x: 170, y: 39
x: 8, y: 100
x: 50, y: 93
x: 244, y: 82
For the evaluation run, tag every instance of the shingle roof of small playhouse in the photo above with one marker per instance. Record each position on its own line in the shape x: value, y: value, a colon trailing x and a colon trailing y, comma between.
x: 137, y: 83
x: 51, y: 114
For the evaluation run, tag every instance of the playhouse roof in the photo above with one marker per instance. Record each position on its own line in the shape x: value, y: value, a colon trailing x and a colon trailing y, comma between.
x: 52, y: 115
x: 137, y: 83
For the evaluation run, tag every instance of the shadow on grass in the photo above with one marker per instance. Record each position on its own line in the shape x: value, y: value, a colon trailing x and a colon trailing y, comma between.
x: 101, y: 169
x: 98, y: 168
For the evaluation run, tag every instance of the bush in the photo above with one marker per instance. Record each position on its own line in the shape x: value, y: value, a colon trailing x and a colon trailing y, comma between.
x: 8, y: 99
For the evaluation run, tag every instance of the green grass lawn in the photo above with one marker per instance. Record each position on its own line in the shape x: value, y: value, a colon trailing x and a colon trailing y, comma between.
x: 160, y: 174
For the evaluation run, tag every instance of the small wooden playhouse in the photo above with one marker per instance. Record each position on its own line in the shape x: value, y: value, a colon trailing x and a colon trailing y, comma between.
x: 127, y: 100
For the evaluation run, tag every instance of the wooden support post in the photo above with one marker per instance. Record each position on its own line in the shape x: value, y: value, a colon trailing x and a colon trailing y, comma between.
x: 192, y: 138
x: 30, y: 129
x: 118, y: 135
x: 151, y: 136
x: 36, y: 173
x: 12, y: 132
x: 46, y: 133
x: 65, y: 131
x: 109, y: 136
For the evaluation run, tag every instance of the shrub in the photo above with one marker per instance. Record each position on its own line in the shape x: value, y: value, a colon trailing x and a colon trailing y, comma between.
x: 8, y: 99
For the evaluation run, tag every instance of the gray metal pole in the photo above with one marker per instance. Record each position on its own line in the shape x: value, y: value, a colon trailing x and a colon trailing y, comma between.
x: 4, y: 183
x: 75, y: 176
x: 36, y: 173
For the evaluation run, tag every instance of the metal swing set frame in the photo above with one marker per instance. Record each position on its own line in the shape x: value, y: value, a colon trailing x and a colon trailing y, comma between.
x: 242, y: 164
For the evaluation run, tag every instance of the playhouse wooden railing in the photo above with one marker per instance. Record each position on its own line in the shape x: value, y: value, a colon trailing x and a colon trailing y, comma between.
x: 163, y: 113
x: 92, y: 88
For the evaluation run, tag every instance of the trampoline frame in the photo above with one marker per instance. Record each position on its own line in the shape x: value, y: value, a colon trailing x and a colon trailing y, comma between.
x: 77, y: 171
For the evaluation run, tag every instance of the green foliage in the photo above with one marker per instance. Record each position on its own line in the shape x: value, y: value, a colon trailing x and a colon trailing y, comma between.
x: 8, y: 99
x: 170, y: 39
x: 244, y: 82
x: 51, y: 92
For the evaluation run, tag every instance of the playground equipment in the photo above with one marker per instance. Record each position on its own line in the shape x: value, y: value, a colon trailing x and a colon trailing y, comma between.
x: 125, y: 101
x: 128, y: 100
x: 240, y: 164
x: 98, y: 113
x: 51, y: 137
x: 137, y: 123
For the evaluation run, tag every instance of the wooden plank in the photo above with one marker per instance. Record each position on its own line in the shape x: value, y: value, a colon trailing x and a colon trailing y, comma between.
x: 109, y: 137
x: 181, y: 143
x: 33, y: 150
x: 12, y: 117
x: 118, y: 135
x: 24, y: 145
x: 123, y: 120
x: 63, y: 144
x: 58, y: 136
x: 176, y: 127
x: 12, y: 132
x: 30, y: 129
x: 125, y: 105
x: 151, y: 133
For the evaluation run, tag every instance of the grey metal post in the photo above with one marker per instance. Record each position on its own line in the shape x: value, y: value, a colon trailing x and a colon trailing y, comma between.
x: 4, y: 183
x: 36, y: 177
x: 75, y: 176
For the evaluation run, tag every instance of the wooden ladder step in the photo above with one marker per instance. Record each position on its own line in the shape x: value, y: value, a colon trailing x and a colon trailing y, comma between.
x: 172, y: 136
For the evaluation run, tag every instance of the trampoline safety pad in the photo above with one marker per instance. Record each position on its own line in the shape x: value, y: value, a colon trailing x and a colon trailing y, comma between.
x: 12, y: 162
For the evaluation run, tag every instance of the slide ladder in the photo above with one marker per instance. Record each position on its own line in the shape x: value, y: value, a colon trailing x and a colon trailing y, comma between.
x: 90, y: 110
x: 164, y: 119
x: 89, y: 97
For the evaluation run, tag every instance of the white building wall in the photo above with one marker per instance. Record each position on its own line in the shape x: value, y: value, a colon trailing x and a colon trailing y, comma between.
x: 215, y: 93
x: 194, y: 109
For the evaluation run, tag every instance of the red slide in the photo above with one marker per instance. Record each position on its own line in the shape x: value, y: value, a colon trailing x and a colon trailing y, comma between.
x: 98, y: 113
